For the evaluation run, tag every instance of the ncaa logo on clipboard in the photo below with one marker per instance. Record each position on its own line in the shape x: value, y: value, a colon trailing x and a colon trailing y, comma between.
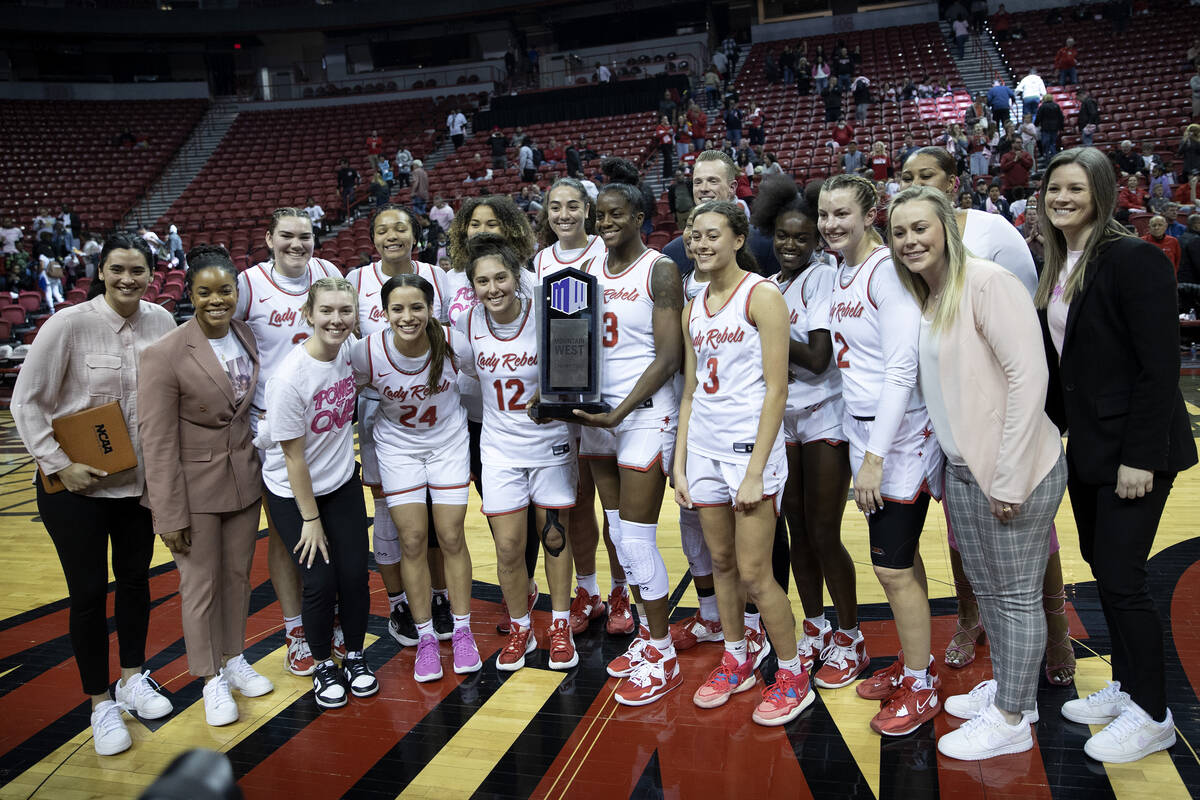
x: 568, y: 295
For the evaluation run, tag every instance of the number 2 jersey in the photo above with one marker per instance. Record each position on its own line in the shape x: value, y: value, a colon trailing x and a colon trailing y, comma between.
x: 627, y: 340
x: 730, y: 387
x: 807, y: 296
x: 419, y: 419
x: 504, y: 358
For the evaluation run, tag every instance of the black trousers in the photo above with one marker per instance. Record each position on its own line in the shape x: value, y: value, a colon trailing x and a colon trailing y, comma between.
x: 81, y: 527
x: 1115, y: 537
x: 341, y: 582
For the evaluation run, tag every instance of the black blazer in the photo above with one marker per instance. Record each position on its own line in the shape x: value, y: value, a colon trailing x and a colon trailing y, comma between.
x: 1117, y: 392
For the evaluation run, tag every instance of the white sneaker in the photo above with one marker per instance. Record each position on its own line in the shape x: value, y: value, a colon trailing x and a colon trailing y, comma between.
x: 1131, y: 736
x: 985, y: 736
x: 242, y: 676
x: 969, y: 706
x: 141, y: 694
x: 219, y: 706
x: 1098, y: 708
x: 109, y: 735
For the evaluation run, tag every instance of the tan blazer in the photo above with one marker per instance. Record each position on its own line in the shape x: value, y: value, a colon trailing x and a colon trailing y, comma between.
x: 196, y: 441
x: 993, y: 377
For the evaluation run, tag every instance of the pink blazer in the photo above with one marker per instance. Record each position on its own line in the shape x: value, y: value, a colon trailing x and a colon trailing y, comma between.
x: 993, y: 377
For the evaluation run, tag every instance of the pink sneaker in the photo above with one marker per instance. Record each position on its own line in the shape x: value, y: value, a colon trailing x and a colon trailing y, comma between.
x: 466, y: 654
x: 725, y: 681
x: 783, y: 700
x: 428, y: 664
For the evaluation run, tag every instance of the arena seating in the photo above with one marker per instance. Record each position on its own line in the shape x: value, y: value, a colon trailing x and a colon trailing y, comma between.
x: 1149, y: 103
x: 279, y: 158
x: 68, y: 152
x: 796, y: 130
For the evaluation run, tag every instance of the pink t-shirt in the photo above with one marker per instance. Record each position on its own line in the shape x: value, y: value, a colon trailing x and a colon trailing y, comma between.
x: 1057, y: 310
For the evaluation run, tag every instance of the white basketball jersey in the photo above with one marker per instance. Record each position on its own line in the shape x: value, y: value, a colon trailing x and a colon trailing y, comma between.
x: 370, y: 280
x: 807, y: 297
x: 461, y: 297
x: 273, y: 313
x: 730, y: 386
x: 507, y: 369
x: 855, y: 327
x: 627, y: 338
x: 547, y: 261
x: 419, y: 420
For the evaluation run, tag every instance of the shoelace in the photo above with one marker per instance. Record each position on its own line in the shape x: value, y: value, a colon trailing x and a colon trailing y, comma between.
x: 1109, y: 694
x: 636, y: 648
x: 517, y: 641
x: 983, y: 693
x: 560, y: 637
x: 242, y: 668
x: 141, y: 685
x: 976, y: 722
x: 1125, y: 725
x: 836, y: 655
x: 720, y: 675
x: 777, y: 691
x: 644, y: 673
x: 301, y: 648
x: 110, y: 720
x: 620, y: 605
x: 221, y: 688
x: 357, y: 667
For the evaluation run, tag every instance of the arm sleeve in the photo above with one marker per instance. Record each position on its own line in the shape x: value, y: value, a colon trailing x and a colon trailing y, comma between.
x: 38, y: 384
x: 285, y: 409
x: 900, y: 325
x: 1007, y: 321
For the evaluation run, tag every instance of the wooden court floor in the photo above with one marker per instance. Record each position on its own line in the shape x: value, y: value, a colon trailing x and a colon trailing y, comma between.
x: 543, y: 734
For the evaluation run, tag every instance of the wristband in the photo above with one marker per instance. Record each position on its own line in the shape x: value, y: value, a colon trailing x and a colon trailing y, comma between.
x: 314, y: 519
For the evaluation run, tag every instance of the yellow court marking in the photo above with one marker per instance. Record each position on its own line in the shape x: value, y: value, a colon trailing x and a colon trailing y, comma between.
x: 853, y: 715
x: 10, y: 669
x: 1154, y: 776
x: 465, y: 761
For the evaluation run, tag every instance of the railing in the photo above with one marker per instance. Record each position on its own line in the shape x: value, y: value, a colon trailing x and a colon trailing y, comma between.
x: 557, y: 70
x: 444, y: 80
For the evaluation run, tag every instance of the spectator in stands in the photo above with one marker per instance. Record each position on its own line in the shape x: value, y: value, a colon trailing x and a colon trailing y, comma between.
x: 602, y: 74
x: 978, y: 14
x: 841, y: 135
x: 175, y: 247
x: 820, y: 73
x: 755, y: 126
x: 1088, y: 118
x: 1194, y: 84
x: 456, y: 126
x: 667, y: 107
x: 1031, y: 88
x: 712, y: 86
x: 518, y: 138
x: 861, y: 90
x: 853, y: 160
x: 961, y: 31
x: 1149, y: 161
x: 1001, y: 23
x: 43, y: 222
x: 1050, y: 123
x: 1131, y: 198
x: 956, y: 143
x: 699, y: 122
x: 554, y: 153
x: 733, y: 117
x: 574, y: 163
x: 1126, y: 160
x: 966, y: 201
x: 771, y: 165
x: 1000, y: 99
x: 347, y: 180
x: 683, y: 138
x: 530, y: 199
x: 441, y: 213
x: 833, y: 104
x: 1157, y: 200
x: 925, y: 88
x: 881, y: 165
x: 729, y: 47
x: 996, y: 203
x: 10, y: 234
x: 1157, y: 235
x: 525, y: 161
x: 976, y: 112
x: 420, y: 186
x: 978, y: 151
x: 315, y: 213
x: 787, y: 64
x: 679, y: 198
x: 1174, y: 227
x: 770, y: 68
x: 1015, y: 166
x: 374, y: 148
x: 907, y: 150
x: 404, y: 164
x: 1189, y: 151
x: 1066, y: 61
x: 378, y: 188
x: 586, y: 153
x: 843, y: 68
x: 664, y: 139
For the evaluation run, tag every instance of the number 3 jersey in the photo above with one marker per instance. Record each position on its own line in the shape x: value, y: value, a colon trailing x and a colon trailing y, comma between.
x: 627, y: 340
x: 730, y: 387
x: 411, y: 415
x: 505, y: 360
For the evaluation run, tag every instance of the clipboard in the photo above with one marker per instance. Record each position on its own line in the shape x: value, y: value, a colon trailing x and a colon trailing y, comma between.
x: 96, y: 437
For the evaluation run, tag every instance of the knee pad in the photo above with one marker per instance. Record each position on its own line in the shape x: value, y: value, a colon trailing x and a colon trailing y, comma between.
x: 552, y: 524
x: 694, y: 546
x: 384, y: 537
x: 644, y: 565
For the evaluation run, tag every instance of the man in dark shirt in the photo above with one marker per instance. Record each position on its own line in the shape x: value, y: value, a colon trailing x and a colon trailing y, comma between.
x: 347, y: 179
x: 499, y: 147
x: 1088, y: 118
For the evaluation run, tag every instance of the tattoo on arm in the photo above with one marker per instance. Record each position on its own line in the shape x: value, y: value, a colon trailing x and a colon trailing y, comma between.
x: 666, y: 285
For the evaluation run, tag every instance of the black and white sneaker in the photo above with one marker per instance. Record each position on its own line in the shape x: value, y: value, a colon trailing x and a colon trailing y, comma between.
x: 443, y: 621
x: 401, y: 626
x: 329, y: 690
x: 358, y: 676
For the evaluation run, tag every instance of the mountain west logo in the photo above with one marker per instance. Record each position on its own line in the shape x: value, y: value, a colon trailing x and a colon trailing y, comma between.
x: 568, y: 295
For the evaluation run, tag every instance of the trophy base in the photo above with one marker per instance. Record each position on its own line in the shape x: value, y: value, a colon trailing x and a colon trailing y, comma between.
x: 564, y: 411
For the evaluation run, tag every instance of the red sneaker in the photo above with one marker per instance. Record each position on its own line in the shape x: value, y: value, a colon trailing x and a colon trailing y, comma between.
x: 622, y: 665
x: 844, y: 660
x: 338, y: 645
x: 783, y: 700
x: 299, y: 659
x: 521, y: 642
x: 695, y: 630
x: 907, y: 709
x: 620, y: 616
x: 562, y: 646
x: 725, y: 681
x: 502, y: 627
x: 758, y: 646
x: 656, y: 675
x: 813, y: 643
x: 584, y: 609
x: 883, y: 683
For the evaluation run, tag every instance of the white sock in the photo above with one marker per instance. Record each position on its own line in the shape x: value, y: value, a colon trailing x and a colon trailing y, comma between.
x: 664, y: 645
x: 589, y: 584
x: 442, y: 593
x: 522, y: 621
x: 354, y: 655
x: 425, y: 629
x: 291, y: 623
x: 708, y: 608
x: 394, y: 600
x: 854, y: 633
x: 462, y: 622
x: 819, y: 622
x: 563, y: 615
x: 616, y: 584
x: 792, y: 665
x: 737, y: 650
x: 922, y: 676
x: 752, y: 621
